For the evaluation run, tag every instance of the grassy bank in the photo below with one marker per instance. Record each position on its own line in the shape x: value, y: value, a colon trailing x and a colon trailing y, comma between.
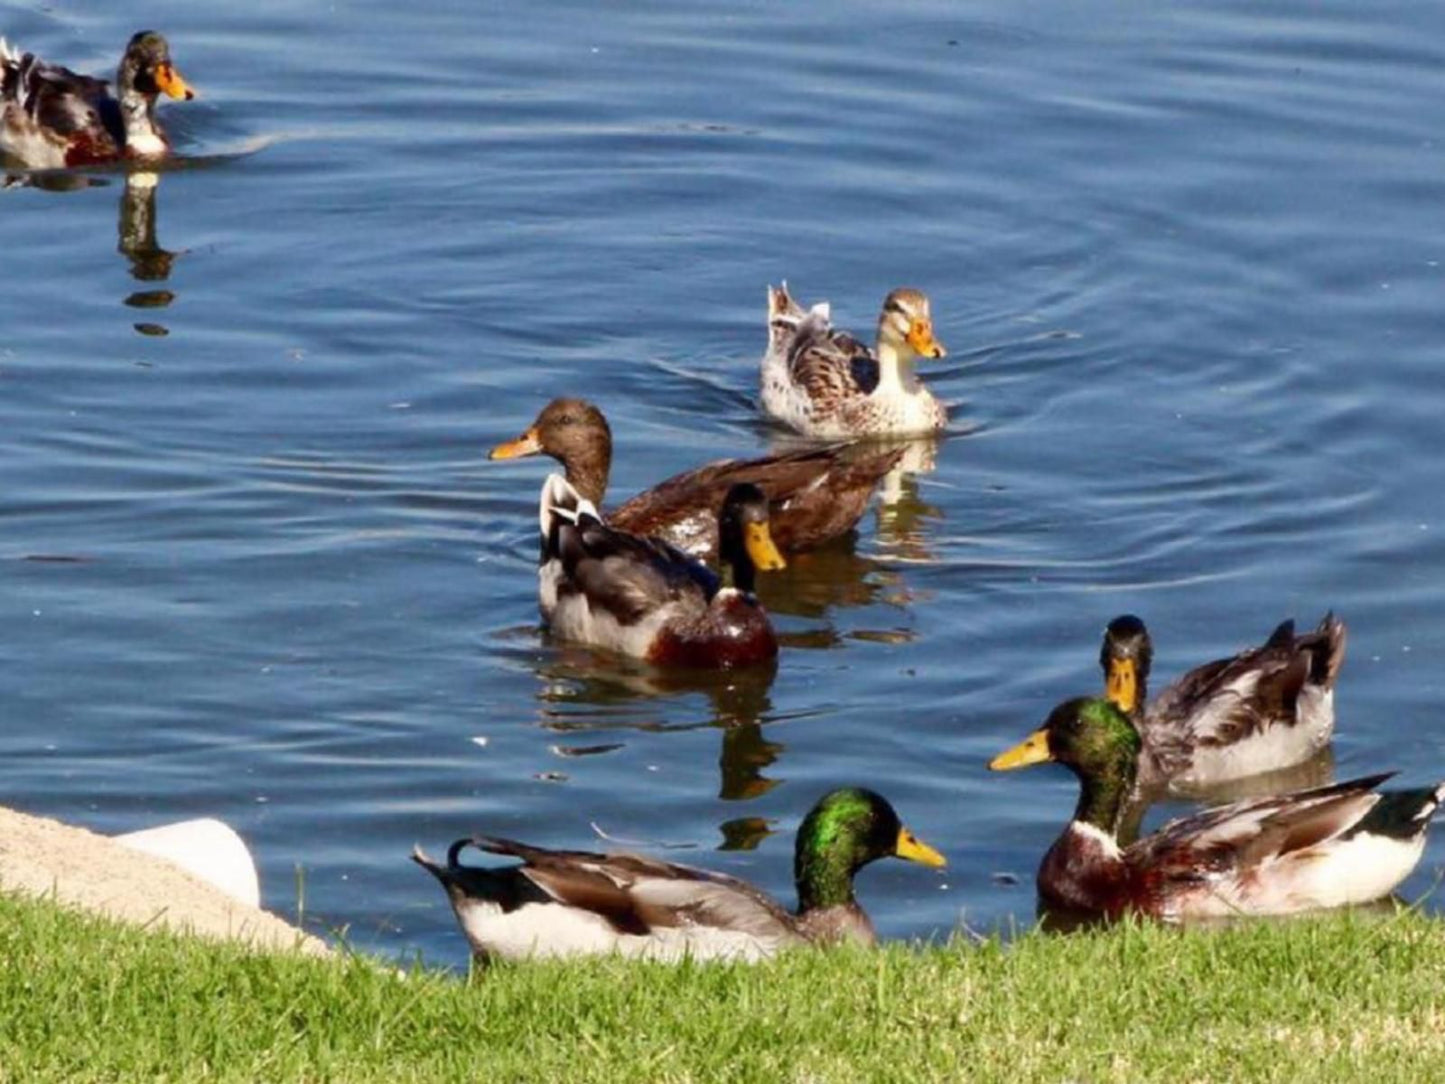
x: 1328, y: 999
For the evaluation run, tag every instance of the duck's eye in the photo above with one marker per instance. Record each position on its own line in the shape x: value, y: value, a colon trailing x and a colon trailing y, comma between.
x: 566, y: 419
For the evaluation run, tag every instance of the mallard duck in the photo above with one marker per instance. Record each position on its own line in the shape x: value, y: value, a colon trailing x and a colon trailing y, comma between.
x: 646, y: 598
x: 814, y: 495
x: 825, y: 383
x: 1266, y: 708
x: 570, y: 903
x: 1326, y: 847
x: 52, y: 118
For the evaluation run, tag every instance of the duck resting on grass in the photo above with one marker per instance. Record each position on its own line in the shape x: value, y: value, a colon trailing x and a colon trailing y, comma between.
x: 645, y: 598
x: 814, y: 495
x: 1328, y: 847
x: 825, y: 383
x: 52, y: 118
x: 571, y: 903
x: 1266, y: 708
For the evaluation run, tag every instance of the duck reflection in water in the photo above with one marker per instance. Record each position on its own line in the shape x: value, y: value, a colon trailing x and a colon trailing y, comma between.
x: 149, y: 262
x: 582, y: 691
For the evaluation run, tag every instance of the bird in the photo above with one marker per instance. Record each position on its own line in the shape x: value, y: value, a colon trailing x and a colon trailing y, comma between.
x: 1331, y: 846
x: 573, y: 903
x: 644, y: 597
x: 814, y: 494
x: 1263, y: 709
x: 825, y: 383
x: 53, y: 118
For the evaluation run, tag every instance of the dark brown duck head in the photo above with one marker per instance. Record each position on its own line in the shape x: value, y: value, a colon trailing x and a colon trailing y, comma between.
x: 744, y: 543
x: 145, y: 72
x: 573, y: 432
x: 1126, y: 655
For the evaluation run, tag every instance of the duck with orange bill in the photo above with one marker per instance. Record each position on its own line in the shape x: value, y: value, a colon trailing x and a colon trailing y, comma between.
x: 824, y: 383
x: 54, y: 118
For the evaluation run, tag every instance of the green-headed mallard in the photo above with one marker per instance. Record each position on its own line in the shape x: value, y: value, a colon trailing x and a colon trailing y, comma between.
x: 570, y: 903
x: 825, y: 383
x: 1266, y: 708
x: 814, y: 495
x: 52, y: 118
x: 1326, y: 847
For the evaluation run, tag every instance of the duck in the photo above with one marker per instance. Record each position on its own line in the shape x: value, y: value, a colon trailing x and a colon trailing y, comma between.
x: 814, y: 494
x: 53, y: 118
x: 824, y: 383
x: 646, y: 598
x: 576, y: 903
x: 1332, y: 846
x: 1263, y: 709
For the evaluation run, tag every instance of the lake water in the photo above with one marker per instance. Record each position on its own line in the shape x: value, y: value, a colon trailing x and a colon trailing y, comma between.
x: 255, y: 563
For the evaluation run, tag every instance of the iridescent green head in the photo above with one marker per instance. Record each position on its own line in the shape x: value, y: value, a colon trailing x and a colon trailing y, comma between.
x: 846, y: 830
x: 1094, y: 739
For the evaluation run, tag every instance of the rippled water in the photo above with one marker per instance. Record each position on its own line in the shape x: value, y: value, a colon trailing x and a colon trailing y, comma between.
x: 255, y: 564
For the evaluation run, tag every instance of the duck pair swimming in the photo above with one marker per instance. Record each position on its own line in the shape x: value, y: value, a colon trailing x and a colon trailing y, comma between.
x: 54, y: 118
x: 632, y: 581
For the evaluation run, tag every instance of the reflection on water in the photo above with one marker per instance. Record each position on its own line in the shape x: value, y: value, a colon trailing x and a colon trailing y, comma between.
x: 149, y: 262
x: 581, y: 690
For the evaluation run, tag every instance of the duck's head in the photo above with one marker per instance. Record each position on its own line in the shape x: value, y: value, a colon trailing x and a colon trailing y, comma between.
x: 905, y: 326
x: 743, y: 541
x: 1125, y: 656
x: 842, y: 833
x: 1088, y: 734
x: 146, y: 70
x: 573, y: 432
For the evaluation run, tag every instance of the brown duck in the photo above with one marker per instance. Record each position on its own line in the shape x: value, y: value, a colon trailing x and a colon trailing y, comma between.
x: 814, y: 495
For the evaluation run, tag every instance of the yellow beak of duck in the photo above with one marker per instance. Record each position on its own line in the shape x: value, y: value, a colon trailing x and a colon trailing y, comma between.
x: 1032, y: 750
x: 760, y: 547
x: 914, y: 849
x: 1122, y: 684
x: 170, y: 81
x: 920, y: 337
x: 529, y: 443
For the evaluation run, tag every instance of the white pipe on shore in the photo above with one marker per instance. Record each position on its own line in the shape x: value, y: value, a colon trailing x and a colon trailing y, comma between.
x: 208, y: 849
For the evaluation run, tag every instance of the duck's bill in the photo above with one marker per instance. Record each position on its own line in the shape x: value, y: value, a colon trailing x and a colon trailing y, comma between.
x: 914, y: 849
x: 1032, y: 750
x: 920, y: 337
x: 761, y: 549
x: 527, y: 444
x: 170, y: 81
x: 1122, y: 684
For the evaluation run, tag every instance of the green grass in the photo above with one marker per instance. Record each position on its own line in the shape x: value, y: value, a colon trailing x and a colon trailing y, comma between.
x: 1339, y: 998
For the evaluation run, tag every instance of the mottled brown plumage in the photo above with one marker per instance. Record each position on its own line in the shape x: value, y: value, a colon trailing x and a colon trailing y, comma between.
x: 814, y: 495
x: 52, y: 117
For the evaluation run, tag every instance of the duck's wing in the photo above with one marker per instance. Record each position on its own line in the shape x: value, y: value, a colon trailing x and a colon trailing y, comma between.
x: 830, y: 365
x: 1229, y: 700
x: 1243, y: 838
x: 49, y: 96
x: 627, y: 575
x: 639, y: 895
x: 814, y: 495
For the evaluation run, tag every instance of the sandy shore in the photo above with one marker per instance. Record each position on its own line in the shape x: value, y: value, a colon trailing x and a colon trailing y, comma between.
x: 42, y: 857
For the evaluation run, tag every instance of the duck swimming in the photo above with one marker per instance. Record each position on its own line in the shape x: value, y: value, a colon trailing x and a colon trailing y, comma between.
x: 53, y: 118
x: 571, y: 903
x: 644, y: 597
x: 1263, y: 709
x: 814, y: 495
x: 825, y: 383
